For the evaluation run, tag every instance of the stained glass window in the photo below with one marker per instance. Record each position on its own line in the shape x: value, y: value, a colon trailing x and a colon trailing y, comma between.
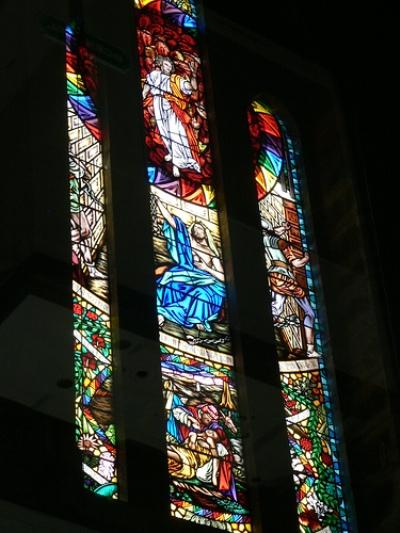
x: 301, y: 346
x: 204, y: 443
x: 91, y: 288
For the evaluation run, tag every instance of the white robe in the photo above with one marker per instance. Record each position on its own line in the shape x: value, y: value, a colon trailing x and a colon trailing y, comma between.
x: 171, y: 129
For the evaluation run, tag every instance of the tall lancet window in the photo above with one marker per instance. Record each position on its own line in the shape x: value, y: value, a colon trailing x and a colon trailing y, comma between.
x: 204, y: 443
x: 91, y: 285
x: 296, y: 313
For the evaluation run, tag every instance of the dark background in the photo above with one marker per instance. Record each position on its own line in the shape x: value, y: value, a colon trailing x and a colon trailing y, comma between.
x: 356, y: 45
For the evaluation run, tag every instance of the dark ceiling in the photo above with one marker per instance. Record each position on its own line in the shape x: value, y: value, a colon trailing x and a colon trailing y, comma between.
x: 356, y: 45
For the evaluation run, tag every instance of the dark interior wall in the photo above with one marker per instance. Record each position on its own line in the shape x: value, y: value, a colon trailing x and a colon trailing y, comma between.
x: 44, y: 474
x: 359, y: 345
x: 13, y: 63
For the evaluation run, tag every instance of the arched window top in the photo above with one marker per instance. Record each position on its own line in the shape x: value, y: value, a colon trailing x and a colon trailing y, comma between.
x: 268, y: 148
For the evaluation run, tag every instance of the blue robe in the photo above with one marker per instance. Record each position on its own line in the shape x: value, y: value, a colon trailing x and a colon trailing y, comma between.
x: 172, y: 425
x: 187, y: 295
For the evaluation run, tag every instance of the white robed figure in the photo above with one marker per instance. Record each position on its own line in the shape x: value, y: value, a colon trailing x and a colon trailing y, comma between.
x: 170, y: 93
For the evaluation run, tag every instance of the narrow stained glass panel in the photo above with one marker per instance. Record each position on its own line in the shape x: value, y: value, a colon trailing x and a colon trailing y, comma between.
x: 95, y: 431
x: 300, y: 344
x: 204, y: 443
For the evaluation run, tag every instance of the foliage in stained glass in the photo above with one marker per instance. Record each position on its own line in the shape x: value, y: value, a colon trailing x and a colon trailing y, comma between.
x: 91, y: 307
x: 204, y: 444
x: 311, y: 431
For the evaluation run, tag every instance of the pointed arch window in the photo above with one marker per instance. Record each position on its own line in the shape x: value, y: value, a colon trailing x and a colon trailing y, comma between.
x: 95, y: 428
x: 297, y: 316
